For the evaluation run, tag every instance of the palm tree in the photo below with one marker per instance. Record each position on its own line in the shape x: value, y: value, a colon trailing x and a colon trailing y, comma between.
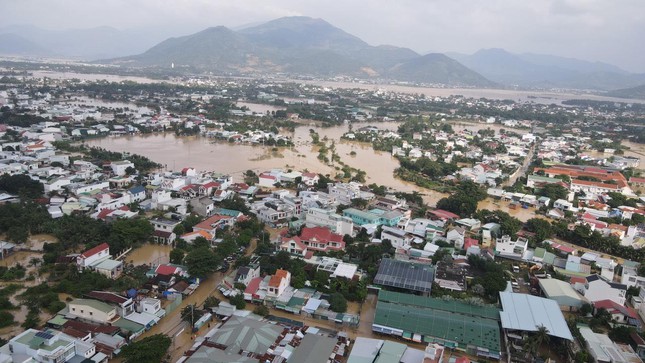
x: 540, y: 336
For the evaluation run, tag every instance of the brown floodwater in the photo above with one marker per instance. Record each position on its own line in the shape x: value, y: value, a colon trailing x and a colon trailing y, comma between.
x: 149, y: 254
x: 538, y: 96
x: 203, y: 153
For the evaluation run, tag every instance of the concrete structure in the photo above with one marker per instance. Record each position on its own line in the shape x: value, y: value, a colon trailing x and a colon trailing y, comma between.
x: 330, y: 219
x: 45, y: 346
x: 597, y: 288
x: 278, y: 283
x: 92, y: 310
x: 603, y: 350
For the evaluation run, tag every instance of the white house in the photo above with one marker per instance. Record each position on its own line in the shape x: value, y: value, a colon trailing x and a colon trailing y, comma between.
x: 597, y: 288
x: 397, y: 237
x: 93, y: 256
x: 278, y: 283
x: 506, y: 245
x: 317, y: 217
x: 149, y: 305
x: 119, y: 167
x: 92, y: 310
x: 43, y: 346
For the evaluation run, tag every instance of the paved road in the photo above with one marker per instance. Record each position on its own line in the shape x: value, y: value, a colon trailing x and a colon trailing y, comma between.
x: 523, y: 169
x: 172, y: 325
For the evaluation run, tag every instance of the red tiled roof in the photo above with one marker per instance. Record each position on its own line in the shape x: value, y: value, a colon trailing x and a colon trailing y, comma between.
x: 322, y: 234
x: 208, y: 223
x: 104, y: 213
x: 75, y: 333
x: 93, y: 251
x: 444, y: 214
x: 166, y: 270
x: 636, y: 180
x: 253, y: 286
x: 469, y: 242
x: 614, y: 308
x: 563, y: 248
x: 212, y: 185
x: 267, y: 176
x: 107, y: 297
x: 577, y: 279
x: 91, y: 328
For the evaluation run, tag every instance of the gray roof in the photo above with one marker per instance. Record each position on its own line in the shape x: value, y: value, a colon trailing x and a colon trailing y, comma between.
x: 314, y: 349
x: 246, y: 334
x: 405, y: 275
x: 561, y: 292
x: 527, y: 312
x: 365, y: 350
x: 207, y: 354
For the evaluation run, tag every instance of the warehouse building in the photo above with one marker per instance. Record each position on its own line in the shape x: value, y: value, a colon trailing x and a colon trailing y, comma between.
x: 562, y: 293
x: 455, y: 324
x: 405, y: 275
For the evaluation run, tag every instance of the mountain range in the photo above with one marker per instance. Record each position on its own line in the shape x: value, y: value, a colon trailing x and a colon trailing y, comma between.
x: 302, y: 45
x: 307, y: 46
x: 546, y: 71
x: 84, y: 44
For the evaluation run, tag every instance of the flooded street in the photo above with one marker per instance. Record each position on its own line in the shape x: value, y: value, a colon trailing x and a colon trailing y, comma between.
x: 519, y: 212
x: 149, y: 254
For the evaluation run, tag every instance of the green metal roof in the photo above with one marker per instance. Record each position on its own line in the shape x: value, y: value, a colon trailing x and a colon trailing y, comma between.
x: 391, y: 352
x: 296, y: 301
x: 465, y: 324
x: 455, y: 306
x: 98, y: 305
x: 57, y: 320
x: 129, y: 325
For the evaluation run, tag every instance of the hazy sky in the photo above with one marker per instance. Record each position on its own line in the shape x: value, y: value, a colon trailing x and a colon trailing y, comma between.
x: 600, y: 30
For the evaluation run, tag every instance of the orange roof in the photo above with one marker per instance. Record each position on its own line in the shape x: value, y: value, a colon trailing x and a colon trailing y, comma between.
x: 282, y: 273
x: 575, y: 172
x: 208, y: 223
x: 619, y: 227
x: 199, y: 233
x: 594, y: 183
x: 277, y: 277
x: 275, y: 281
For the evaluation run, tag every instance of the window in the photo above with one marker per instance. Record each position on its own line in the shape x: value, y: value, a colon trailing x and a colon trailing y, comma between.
x: 91, y: 313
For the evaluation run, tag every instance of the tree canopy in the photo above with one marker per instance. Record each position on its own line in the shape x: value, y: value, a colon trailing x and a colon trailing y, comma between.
x: 201, y: 262
x: 151, y: 349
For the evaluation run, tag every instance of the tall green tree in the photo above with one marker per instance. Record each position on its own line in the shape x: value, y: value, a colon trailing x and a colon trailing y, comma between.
x: 201, y: 262
x: 151, y: 349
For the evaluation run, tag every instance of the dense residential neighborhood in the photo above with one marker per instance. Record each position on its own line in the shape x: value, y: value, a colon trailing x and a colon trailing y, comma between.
x: 495, y: 238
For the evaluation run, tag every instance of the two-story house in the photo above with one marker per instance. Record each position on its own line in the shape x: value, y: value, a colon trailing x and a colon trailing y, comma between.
x: 278, y: 283
x: 124, y: 305
x: 322, y: 239
x: 93, y: 310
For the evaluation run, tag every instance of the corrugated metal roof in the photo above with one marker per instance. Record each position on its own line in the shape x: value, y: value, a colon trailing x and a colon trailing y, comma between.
x: 526, y: 313
x: 405, y: 275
